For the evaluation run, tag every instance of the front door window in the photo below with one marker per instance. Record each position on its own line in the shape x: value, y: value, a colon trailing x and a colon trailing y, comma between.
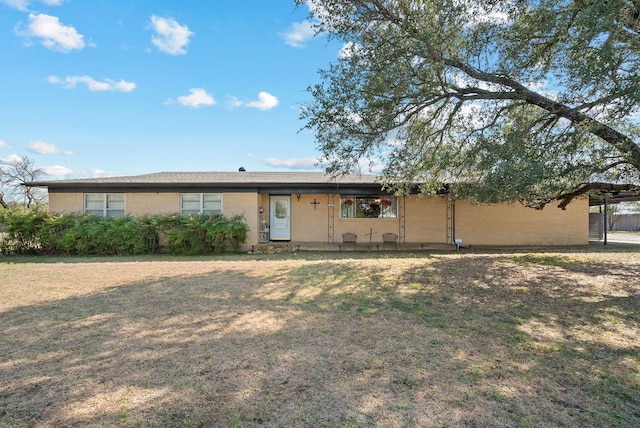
x: 280, y: 218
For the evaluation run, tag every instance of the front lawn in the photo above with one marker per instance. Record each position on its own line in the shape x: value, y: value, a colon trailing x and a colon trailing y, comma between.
x: 323, y: 340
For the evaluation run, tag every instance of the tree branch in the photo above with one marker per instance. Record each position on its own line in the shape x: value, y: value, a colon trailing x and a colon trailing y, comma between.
x: 623, y: 143
x: 566, y: 198
x: 2, y: 202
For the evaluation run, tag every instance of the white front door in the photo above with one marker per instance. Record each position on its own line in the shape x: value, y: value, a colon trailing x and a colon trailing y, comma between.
x: 280, y: 218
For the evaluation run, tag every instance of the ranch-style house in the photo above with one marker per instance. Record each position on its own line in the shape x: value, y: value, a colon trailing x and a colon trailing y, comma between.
x: 313, y: 208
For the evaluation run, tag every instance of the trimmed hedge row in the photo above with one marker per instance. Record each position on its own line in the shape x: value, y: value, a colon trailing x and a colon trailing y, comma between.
x: 32, y: 232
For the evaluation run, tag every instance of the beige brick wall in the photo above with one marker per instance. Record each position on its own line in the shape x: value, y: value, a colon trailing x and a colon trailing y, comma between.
x: 425, y: 219
x: 246, y: 205
x: 421, y: 219
x: 152, y: 203
x: 66, y: 203
x: 309, y: 224
x: 514, y: 224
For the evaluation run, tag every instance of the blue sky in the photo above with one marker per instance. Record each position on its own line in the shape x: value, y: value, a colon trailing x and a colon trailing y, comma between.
x: 109, y: 87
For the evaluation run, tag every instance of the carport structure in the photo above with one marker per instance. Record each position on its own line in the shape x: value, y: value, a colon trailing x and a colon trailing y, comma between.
x: 597, y: 221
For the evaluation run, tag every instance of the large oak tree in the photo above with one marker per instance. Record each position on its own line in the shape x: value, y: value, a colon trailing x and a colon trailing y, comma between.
x: 530, y: 100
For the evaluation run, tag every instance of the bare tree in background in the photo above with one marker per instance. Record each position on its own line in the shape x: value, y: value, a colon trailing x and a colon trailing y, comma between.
x: 12, y: 176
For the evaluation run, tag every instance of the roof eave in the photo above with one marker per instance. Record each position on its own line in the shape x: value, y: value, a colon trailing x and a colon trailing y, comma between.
x: 241, y: 187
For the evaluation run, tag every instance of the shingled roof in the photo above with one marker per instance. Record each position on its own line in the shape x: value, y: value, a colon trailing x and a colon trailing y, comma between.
x: 222, y: 180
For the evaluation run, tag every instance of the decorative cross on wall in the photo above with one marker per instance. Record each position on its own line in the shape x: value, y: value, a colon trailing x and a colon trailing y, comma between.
x: 314, y: 203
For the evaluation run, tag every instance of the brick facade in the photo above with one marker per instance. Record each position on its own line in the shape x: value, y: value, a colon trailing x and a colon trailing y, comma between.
x: 420, y: 219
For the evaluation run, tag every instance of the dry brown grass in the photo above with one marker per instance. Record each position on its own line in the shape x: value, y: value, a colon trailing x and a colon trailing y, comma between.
x: 384, y: 340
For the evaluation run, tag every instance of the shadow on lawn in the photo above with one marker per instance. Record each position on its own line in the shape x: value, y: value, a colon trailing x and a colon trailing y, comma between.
x: 480, y: 341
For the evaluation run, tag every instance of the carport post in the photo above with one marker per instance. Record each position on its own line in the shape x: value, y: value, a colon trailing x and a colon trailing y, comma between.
x: 606, y: 220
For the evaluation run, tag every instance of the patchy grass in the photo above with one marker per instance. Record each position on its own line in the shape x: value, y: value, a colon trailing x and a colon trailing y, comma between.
x: 328, y: 340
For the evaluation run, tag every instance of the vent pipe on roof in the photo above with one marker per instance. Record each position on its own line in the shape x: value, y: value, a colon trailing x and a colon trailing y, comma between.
x: 241, y: 169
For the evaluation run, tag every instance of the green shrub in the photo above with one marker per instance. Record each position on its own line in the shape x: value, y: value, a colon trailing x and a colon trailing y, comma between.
x: 29, y: 232
x: 22, y: 231
x: 203, y: 234
x: 239, y: 232
x: 56, y: 233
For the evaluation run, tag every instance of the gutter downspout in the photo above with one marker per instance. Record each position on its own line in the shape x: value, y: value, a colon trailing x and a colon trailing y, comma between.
x: 453, y: 221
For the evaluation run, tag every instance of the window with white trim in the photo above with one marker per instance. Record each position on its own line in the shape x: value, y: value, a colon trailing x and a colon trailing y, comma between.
x: 201, y: 203
x: 371, y: 206
x: 104, y: 204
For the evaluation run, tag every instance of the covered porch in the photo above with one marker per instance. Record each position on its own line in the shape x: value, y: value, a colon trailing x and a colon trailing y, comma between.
x: 374, y: 246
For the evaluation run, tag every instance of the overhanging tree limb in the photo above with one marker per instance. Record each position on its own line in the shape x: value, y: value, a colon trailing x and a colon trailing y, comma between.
x: 456, y: 84
x: 590, y: 187
x: 622, y: 142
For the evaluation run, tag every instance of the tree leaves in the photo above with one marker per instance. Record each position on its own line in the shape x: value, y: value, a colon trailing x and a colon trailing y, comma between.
x: 503, y: 100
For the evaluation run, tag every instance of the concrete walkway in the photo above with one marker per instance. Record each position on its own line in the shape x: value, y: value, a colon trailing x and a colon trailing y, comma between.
x: 620, y: 239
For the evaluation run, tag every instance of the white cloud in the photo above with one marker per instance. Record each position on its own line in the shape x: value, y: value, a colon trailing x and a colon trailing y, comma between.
x: 265, y: 101
x: 299, y: 34
x: 44, y: 148
x: 53, y: 34
x: 171, y: 37
x: 24, y: 4
x: 57, y: 171
x: 233, y: 102
x: 3, y: 144
x: 301, y: 163
x: 10, y: 159
x: 92, y: 84
x: 16, y: 4
x: 95, y: 173
x: 197, y: 97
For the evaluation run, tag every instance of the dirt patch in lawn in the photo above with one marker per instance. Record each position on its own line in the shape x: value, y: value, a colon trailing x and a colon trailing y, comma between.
x: 386, y: 340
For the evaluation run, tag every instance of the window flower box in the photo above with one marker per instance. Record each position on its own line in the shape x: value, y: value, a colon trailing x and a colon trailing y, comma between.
x: 385, y: 202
